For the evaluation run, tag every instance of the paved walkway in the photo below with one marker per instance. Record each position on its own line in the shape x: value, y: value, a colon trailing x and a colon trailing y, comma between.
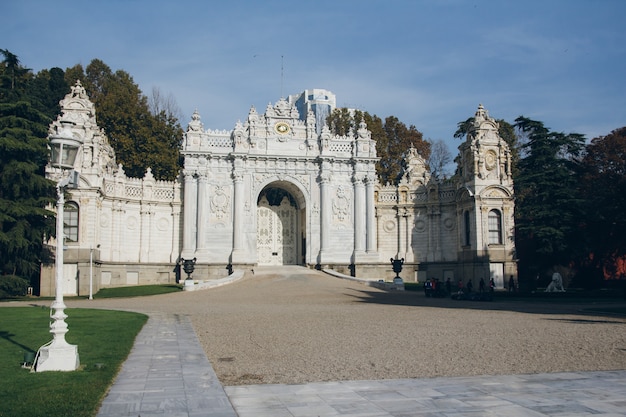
x: 168, y: 375
x: 562, y: 394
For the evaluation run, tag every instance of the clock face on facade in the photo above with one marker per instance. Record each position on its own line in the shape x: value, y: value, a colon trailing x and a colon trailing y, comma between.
x: 281, y: 128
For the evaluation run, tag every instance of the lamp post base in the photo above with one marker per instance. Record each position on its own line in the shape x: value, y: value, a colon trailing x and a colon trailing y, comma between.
x: 57, y: 357
x: 189, y: 285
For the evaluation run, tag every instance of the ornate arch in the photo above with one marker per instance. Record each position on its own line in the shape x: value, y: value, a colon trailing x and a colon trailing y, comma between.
x: 289, y: 183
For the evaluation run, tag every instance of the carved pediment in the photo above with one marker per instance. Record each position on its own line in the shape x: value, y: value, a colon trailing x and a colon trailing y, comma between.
x: 495, y: 192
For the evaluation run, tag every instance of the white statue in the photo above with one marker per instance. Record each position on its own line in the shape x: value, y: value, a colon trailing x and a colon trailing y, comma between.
x: 557, y: 283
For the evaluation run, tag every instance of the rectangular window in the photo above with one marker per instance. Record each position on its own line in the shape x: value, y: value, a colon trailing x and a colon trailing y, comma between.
x: 467, y: 228
x: 495, y: 228
x: 70, y: 222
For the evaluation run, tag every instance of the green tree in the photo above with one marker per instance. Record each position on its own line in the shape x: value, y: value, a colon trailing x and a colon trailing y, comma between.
x: 603, y: 188
x: 25, y: 223
x: 341, y: 122
x: 47, y: 89
x: 548, y: 206
x: 13, y: 72
x: 393, y: 138
x: 399, y: 138
x: 141, y: 139
x: 463, y: 128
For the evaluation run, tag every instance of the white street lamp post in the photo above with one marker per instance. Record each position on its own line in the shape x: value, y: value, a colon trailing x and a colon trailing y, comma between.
x: 58, y: 355
x: 91, y: 273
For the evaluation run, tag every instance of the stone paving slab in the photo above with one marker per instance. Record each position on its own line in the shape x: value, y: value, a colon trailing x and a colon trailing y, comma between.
x: 167, y: 374
x: 560, y: 394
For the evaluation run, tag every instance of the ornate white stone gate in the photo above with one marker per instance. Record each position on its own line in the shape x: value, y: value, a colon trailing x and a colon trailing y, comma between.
x: 337, y: 214
x: 277, y: 231
x: 328, y: 218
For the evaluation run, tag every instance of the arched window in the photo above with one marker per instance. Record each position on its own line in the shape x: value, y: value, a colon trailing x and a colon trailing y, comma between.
x: 466, y: 221
x: 495, y: 227
x: 70, y: 222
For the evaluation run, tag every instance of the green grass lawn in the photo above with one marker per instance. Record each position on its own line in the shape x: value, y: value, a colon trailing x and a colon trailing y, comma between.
x: 117, y: 292
x: 104, y: 340
x: 137, y: 291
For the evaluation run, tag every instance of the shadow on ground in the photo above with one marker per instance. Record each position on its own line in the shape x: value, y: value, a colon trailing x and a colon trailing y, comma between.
x: 591, y: 307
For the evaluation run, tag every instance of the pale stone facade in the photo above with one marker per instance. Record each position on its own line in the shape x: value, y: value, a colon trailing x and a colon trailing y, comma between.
x: 279, y: 189
x: 462, y: 228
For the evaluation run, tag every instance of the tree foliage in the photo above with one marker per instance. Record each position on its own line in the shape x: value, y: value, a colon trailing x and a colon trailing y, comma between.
x: 570, y: 200
x: 13, y: 286
x: 393, y: 138
x: 13, y: 75
x: 548, y: 205
x: 141, y: 139
x: 603, y: 189
x: 28, y: 104
x: 463, y: 128
x: 25, y: 223
x: 47, y: 89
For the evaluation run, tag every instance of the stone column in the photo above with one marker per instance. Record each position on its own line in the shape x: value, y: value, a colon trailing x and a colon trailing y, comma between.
x: 401, y: 233
x: 189, y: 215
x: 434, y: 218
x: 146, y: 227
x: 359, y: 216
x: 370, y: 214
x: 202, y: 205
x: 175, y: 230
x: 325, y: 213
x: 238, y: 205
x: 408, y: 217
x: 116, y: 226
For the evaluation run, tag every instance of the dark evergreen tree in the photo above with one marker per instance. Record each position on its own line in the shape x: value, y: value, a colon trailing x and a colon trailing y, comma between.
x: 25, y: 193
x: 547, y: 204
x: 463, y: 127
x: 47, y: 89
x: 13, y: 76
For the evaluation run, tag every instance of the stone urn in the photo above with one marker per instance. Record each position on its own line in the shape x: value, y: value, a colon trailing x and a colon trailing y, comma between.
x: 188, y: 266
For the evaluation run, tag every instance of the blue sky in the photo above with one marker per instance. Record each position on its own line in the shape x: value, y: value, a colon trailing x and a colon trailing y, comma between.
x: 429, y: 63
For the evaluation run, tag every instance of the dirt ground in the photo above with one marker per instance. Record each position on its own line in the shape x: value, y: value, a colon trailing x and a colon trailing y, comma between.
x: 294, y: 325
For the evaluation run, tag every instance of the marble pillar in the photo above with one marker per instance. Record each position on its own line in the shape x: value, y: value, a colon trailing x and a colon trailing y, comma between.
x: 189, y: 215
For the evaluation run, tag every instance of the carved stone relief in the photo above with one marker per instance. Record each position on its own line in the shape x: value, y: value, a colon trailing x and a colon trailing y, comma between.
x: 341, y: 205
x: 220, y: 203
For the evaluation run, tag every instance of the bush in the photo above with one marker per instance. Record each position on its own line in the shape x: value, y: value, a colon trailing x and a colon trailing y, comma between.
x: 13, y: 286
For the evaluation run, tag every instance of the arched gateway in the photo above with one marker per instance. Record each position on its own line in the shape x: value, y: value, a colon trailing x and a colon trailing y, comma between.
x: 281, y: 227
x: 278, y: 190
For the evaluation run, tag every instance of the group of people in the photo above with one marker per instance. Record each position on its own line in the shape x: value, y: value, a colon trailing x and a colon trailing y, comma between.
x: 469, y: 288
x: 435, y: 288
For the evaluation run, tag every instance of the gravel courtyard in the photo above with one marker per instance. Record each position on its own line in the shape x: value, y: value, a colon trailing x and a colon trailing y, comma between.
x: 294, y: 325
